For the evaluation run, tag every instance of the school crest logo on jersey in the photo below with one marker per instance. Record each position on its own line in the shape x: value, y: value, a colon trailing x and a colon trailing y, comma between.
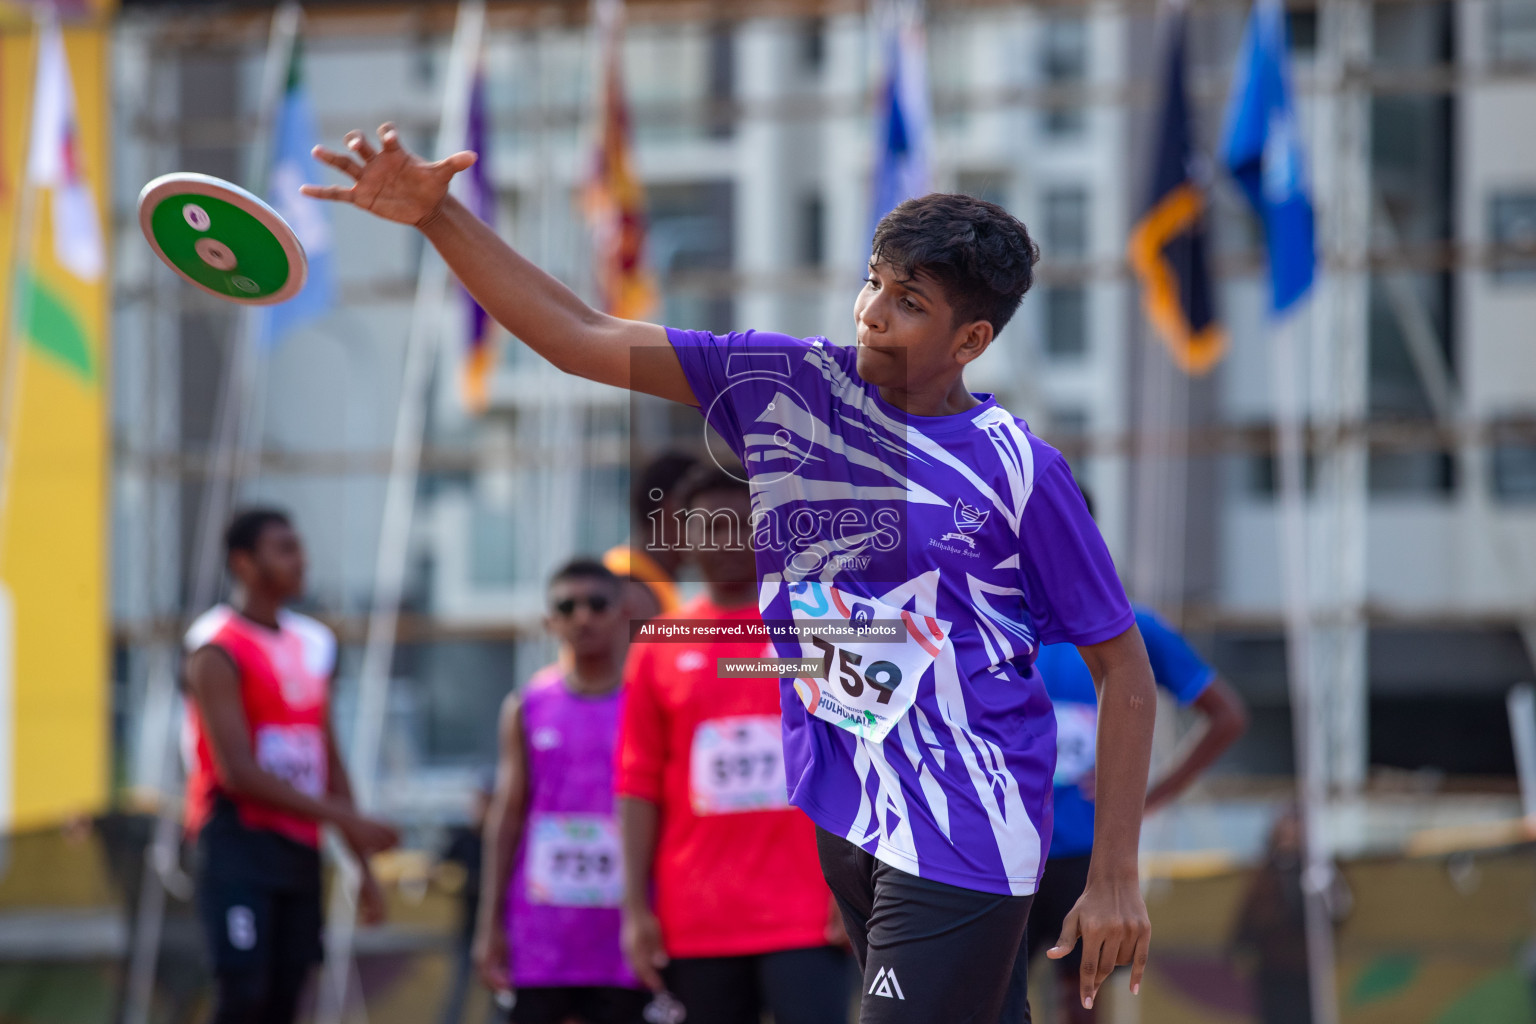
x: 968, y: 519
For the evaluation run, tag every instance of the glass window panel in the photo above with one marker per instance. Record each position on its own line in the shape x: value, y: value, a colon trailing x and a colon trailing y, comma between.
x: 1066, y: 321
x: 1512, y: 228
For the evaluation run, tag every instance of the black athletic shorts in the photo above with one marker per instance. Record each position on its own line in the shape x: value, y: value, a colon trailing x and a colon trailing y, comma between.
x: 258, y: 898
x: 798, y: 986
x: 1064, y: 880
x: 929, y: 951
x: 595, y: 1004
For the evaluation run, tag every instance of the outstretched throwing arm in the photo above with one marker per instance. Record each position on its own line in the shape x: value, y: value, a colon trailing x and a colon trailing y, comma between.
x: 393, y: 183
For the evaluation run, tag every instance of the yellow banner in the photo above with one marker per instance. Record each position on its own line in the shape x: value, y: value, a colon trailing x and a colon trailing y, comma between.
x: 17, y: 15
x: 54, y: 439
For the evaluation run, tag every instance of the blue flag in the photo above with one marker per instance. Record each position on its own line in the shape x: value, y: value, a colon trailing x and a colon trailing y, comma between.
x: 1263, y: 152
x: 294, y: 137
x: 901, y: 154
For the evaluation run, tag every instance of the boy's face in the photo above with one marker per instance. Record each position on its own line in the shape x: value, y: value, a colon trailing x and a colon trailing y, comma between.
x: 719, y: 536
x: 277, y: 564
x: 907, y: 332
x: 584, y: 615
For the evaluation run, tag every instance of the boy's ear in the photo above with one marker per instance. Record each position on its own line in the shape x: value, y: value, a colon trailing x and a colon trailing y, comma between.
x: 975, y: 338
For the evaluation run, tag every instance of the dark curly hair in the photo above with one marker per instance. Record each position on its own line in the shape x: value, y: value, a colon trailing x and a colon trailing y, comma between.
x: 710, y: 479
x: 246, y: 526
x: 585, y: 568
x: 981, y: 255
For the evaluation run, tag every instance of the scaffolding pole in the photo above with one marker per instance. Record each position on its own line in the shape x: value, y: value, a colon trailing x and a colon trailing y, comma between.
x: 1340, y: 374
x: 1309, y: 735
x: 399, y: 508
x: 162, y: 869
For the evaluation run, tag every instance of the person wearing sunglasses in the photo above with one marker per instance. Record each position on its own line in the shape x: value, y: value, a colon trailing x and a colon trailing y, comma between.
x: 548, y: 930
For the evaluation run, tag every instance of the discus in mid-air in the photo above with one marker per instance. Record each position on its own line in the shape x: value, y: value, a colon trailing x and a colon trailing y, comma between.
x: 222, y: 239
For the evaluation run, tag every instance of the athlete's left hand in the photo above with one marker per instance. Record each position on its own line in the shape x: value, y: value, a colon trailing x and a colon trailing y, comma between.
x: 372, y: 907
x: 1111, y: 919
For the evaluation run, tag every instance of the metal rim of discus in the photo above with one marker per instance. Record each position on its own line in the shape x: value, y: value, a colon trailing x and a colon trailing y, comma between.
x: 217, y: 259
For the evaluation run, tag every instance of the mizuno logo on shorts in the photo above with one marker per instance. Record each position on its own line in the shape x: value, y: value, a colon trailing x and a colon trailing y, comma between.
x: 885, y: 984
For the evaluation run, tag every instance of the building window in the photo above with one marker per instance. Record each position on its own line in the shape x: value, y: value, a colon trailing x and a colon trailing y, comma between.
x: 1514, y: 460
x: 1066, y: 321
x: 721, y: 82
x: 989, y: 185
x: 1410, y: 474
x: 1512, y: 33
x: 1514, y: 472
x: 1068, y: 422
x: 1512, y: 227
x: 1301, y: 32
x: 813, y: 44
x: 810, y: 235
x: 693, y: 239
x: 1262, y: 474
x: 1064, y: 64
x: 1065, y: 237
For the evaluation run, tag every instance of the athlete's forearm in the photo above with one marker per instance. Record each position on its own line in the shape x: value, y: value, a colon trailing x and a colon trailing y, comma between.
x: 1226, y: 719
x: 540, y: 311
x: 338, y: 782
x: 503, y: 831
x: 255, y: 783
x: 639, y: 825
x: 1127, y: 710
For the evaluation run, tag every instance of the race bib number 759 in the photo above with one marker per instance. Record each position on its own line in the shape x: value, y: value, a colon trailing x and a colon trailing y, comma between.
x: 864, y: 686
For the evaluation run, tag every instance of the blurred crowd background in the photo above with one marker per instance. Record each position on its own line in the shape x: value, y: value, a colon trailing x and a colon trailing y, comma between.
x: 138, y: 411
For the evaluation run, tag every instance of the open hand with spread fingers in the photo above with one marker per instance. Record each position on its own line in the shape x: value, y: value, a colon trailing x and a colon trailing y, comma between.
x: 389, y: 181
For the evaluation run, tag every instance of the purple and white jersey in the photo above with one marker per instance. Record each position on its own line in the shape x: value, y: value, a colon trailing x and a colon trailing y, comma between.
x: 967, y: 519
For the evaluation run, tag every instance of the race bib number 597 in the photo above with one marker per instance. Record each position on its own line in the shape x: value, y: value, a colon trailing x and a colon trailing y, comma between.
x: 737, y: 764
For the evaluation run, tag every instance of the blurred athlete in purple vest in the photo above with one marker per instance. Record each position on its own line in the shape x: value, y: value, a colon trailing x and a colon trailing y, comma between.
x: 553, y: 880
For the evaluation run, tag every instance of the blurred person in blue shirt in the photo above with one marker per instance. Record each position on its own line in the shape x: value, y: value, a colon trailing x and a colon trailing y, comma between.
x: 1192, y: 683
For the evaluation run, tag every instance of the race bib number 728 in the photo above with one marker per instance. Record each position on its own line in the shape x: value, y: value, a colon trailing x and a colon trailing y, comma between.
x: 573, y: 860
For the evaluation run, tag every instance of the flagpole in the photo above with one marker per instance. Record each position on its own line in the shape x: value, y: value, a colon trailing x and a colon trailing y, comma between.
x: 399, y: 506
x: 1317, y: 865
x: 162, y: 870
x: 281, y: 52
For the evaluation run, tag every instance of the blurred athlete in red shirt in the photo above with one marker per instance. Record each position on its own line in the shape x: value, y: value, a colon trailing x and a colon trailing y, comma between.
x: 724, y: 901
x: 265, y: 775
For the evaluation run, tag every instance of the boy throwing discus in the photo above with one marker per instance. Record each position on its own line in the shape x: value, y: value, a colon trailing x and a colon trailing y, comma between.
x: 920, y: 544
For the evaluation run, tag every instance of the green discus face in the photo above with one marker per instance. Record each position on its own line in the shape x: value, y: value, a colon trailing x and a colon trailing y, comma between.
x: 222, y: 239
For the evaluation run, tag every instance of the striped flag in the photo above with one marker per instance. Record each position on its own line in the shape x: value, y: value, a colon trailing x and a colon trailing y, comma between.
x: 479, y: 197
x: 53, y: 321
x: 614, y: 199
x: 53, y: 162
x: 1168, y: 244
